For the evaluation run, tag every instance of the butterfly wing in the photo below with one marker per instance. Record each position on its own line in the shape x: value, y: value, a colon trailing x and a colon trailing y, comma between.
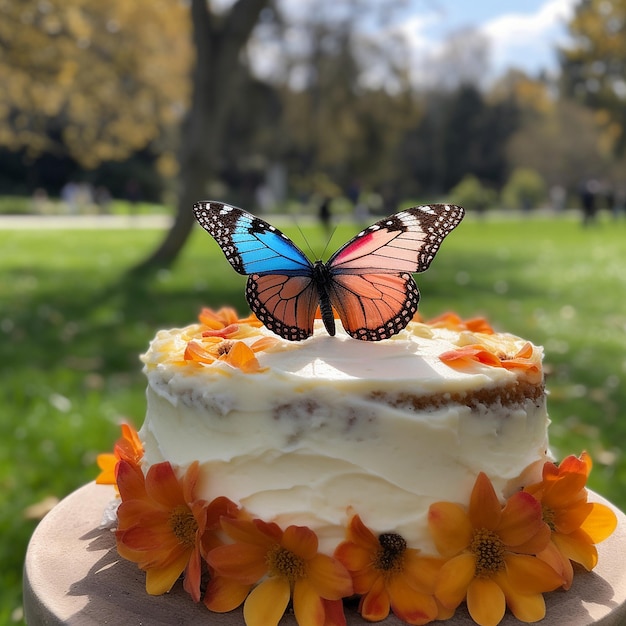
x: 280, y: 289
x: 374, y: 306
x: 371, y: 285
x: 251, y: 245
x: 285, y: 304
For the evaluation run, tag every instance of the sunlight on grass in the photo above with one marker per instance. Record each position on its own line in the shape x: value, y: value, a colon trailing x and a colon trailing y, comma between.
x: 73, y: 325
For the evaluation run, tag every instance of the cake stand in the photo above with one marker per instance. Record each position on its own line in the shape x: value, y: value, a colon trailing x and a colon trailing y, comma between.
x: 73, y: 575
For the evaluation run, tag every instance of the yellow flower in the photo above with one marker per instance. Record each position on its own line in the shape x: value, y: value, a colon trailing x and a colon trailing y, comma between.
x: 576, y: 524
x: 490, y: 552
x: 283, y: 565
x: 389, y: 575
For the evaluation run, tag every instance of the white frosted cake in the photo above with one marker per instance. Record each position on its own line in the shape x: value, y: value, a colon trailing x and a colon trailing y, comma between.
x: 413, y: 474
x: 331, y: 426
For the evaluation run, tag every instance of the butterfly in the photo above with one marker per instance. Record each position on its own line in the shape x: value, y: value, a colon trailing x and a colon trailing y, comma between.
x: 368, y: 281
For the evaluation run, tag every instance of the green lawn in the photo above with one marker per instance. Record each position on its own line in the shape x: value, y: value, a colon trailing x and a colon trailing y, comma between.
x: 72, y: 325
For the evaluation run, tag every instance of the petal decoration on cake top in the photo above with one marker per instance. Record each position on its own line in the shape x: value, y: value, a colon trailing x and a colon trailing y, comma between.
x: 236, y: 353
x: 453, y: 321
x: 522, y: 360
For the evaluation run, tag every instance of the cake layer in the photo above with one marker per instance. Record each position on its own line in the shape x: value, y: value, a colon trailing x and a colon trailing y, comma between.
x: 331, y: 426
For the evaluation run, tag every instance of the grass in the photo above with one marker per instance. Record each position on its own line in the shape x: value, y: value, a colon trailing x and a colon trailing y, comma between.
x: 72, y: 324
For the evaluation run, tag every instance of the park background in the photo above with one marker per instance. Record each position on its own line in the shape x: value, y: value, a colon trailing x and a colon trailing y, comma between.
x: 115, y: 117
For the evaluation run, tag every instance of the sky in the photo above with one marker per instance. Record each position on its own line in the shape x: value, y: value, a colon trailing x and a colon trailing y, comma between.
x: 521, y: 33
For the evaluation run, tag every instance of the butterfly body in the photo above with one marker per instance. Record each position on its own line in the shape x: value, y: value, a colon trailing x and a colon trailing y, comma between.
x: 368, y: 281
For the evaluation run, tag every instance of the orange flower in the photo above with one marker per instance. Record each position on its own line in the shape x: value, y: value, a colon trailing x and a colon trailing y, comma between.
x: 389, y: 575
x: 576, y: 524
x: 454, y: 322
x: 235, y: 353
x: 162, y: 526
x: 461, y: 358
x: 489, y: 550
x: 128, y: 448
x: 285, y: 564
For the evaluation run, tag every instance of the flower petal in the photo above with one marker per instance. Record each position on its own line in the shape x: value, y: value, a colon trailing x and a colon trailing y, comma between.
x: 239, y: 561
x: 307, y: 605
x: 193, y: 572
x: 300, y: 540
x: 450, y: 527
x: 161, y: 579
x: 329, y: 577
x: 454, y: 578
x: 333, y: 613
x: 485, y: 602
x: 525, y: 607
x: 410, y: 605
x: 577, y: 547
x: 485, y: 509
x: 522, y: 521
x: 267, y: 602
x: 361, y: 535
x: 224, y: 594
x: 353, y: 556
x: 374, y: 605
x: 559, y: 563
x: 600, y: 523
x: 163, y: 486
x: 530, y: 575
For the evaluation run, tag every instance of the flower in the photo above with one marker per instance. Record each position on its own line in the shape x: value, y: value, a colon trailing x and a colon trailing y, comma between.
x: 128, y: 448
x: 283, y: 565
x: 389, y: 575
x: 576, y: 524
x: 236, y: 353
x: 162, y: 526
x: 489, y: 550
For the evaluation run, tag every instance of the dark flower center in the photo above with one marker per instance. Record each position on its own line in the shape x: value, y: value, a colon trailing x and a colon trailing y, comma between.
x: 390, y: 556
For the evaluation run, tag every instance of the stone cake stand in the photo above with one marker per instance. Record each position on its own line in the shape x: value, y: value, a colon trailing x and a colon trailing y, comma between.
x: 73, y: 575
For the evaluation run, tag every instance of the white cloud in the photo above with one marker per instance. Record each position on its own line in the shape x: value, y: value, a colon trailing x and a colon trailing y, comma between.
x: 527, y: 40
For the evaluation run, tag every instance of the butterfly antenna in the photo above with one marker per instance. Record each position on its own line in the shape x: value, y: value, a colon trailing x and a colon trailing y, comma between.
x: 330, y: 237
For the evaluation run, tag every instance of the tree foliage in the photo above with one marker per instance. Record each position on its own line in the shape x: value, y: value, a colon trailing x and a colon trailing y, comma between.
x: 92, y: 80
x: 594, y: 65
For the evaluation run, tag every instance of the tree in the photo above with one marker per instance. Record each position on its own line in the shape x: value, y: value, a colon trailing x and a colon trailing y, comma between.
x: 95, y: 81
x: 564, y: 145
x: 218, y: 42
x: 594, y: 65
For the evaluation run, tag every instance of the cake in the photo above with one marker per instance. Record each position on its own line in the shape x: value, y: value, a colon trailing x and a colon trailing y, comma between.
x: 413, y: 473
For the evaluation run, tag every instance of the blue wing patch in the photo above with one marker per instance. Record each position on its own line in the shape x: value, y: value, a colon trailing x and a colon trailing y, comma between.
x: 251, y: 245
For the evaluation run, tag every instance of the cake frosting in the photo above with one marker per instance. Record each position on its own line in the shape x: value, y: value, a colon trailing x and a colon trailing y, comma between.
x: 413, y: 473
x: 329, y: 427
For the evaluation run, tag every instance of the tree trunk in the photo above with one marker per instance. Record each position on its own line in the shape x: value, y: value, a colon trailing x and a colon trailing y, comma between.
x: 218, y: 43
